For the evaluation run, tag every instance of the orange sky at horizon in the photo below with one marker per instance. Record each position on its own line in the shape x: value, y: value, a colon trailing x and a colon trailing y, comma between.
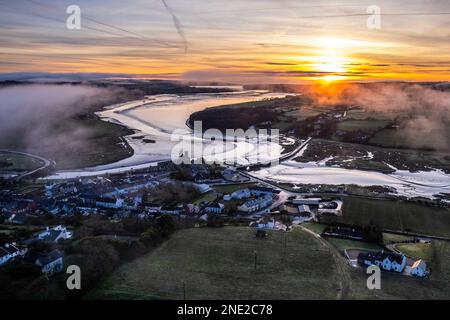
x: 235, y: 41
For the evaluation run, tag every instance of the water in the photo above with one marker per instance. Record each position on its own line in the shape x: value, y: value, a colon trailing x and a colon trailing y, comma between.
x: 156, y: 117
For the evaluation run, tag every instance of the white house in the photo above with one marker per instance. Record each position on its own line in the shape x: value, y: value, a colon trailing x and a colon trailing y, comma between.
x: 9, y: 251
x: 241, y: 194
x: 307, y: 201
x: 51, y: 263
x: 54, y: 234
x: 106, y: 202
x: 266, y: 225
x: 269, y: 224
x: 261, y: 191
x: 386, y: 260
x: 398, y: 262
x: 170, y: 210
x: 151, y: 207
x: 232, y: 175
x: 215, y: 207
x: 304, y: 209
x: 419, y: 268
x: 256, y: 204
x: 203, y: 188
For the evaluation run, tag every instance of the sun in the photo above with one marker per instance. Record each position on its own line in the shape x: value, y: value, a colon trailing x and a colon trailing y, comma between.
x: 332, y: 58
x: 331, y: 78
x: 329, y: 63
x: 332, y: 67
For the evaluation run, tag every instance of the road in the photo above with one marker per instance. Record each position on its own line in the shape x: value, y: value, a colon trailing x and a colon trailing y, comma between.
x: 47, y: 163
x: 285, y: 157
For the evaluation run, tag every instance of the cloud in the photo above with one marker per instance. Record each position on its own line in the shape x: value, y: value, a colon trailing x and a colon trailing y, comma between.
x: 176, y: 23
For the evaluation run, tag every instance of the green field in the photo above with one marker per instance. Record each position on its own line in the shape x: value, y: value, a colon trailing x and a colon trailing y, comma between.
x: 18, y: 162
x: 230, y: 188
x: 401, y: 138
x: 417, y: 250
x: 102, y: 144
x: 344, y: 244
x: 220, y: 264
x: 363, y: 125
x: 314, y: 227
x: 395, y: 215
x: 359, y: 114
x: 392, y: 237
x: 207, y: 197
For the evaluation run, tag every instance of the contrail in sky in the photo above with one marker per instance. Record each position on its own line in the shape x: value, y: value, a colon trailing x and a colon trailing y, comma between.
x: 176, y: 23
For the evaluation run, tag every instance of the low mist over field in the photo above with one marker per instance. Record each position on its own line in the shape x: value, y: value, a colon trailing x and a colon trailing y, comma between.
x: 44, y: 119
x: 425, y: 110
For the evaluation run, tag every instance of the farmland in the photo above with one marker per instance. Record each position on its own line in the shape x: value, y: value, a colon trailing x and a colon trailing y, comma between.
x: 208, y: 263
x: 220, y: 264
x: 18, y: 162
x: 395, y: 215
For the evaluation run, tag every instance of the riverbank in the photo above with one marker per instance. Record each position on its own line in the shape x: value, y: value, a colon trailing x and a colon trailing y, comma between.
x: 155, y: 118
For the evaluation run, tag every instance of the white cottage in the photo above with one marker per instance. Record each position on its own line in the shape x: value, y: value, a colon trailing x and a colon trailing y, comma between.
x: 54, y: 234
x: 388, y: 261
x: 9, y: 251
x: 51, y: 263
x: 419, y: 268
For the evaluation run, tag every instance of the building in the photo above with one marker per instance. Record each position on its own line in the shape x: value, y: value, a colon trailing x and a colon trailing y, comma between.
x: 170, y: 210
x: 419, y: 268
x: 10, y: 251
x: 151, y: 207
x: 14, y: 218
x: 88, y: 199
x: 106, y: 202
x: 304, y: 209
x: 54, y: 234
x: 50, y: 205
x: 269, y: 224
x: 331, y: 207
x: 234, y: 176
x: 240, y: 194
x: 214, y: 207
x: 50, y: 263
x: 203, y: 188
x: 262, y: 191
x: 256, y: 204
x: 307, y: 201
x: 388, y: 261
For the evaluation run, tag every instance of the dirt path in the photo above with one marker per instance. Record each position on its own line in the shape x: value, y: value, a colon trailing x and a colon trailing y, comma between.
x: 340, y: 262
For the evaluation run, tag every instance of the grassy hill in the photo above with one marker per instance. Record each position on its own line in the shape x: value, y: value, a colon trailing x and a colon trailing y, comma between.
x: 209, y: 263
x: 220, y: 264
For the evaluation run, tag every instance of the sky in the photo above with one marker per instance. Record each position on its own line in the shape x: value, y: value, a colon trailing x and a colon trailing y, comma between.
x: 269, y: 41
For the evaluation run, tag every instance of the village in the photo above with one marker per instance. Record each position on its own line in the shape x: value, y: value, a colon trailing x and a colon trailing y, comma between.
x: 198, y: 195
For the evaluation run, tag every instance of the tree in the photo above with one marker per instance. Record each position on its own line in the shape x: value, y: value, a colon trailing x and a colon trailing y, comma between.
x: 150, y: 237
x: 372, y: 233
x: 165, y: 224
